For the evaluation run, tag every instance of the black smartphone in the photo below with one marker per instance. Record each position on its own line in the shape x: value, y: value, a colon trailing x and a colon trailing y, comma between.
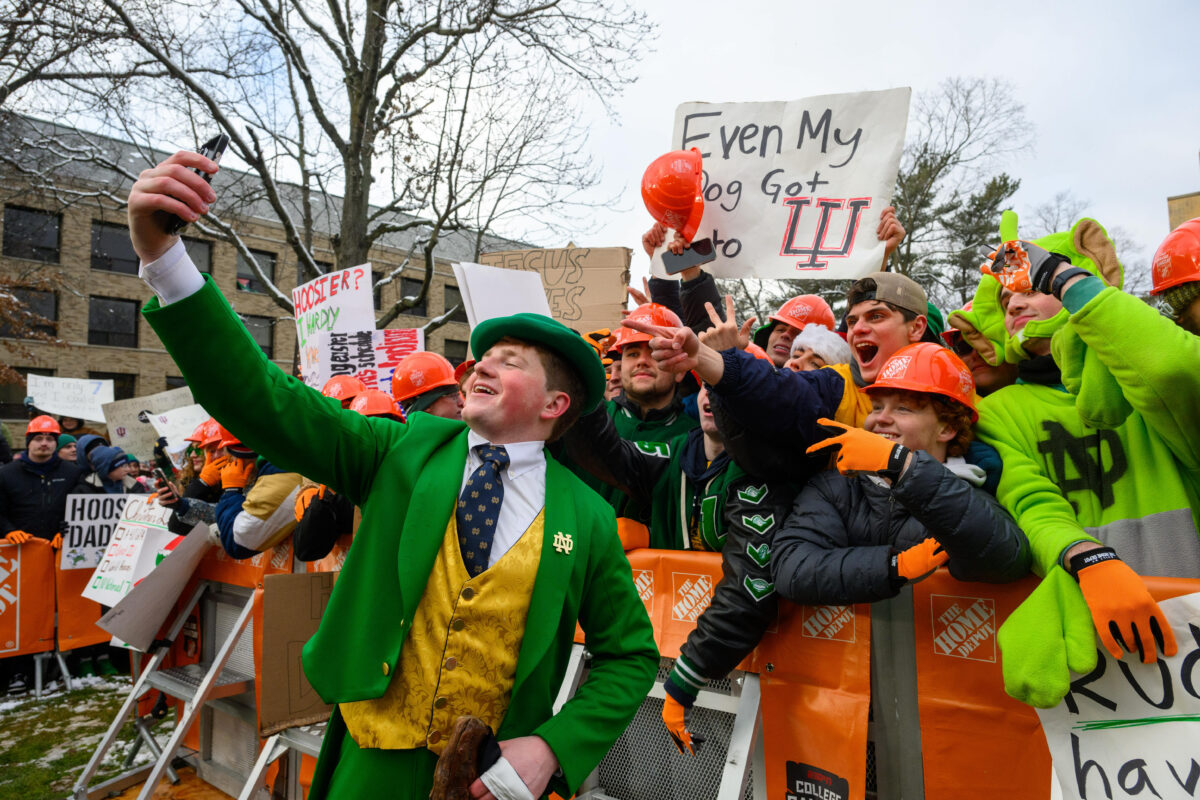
x: 161, y: 477
x: 212, y: 150
x: 700, y: 252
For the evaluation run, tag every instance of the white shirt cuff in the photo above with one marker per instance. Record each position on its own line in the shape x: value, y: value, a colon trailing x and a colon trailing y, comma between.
x: 172, y: 276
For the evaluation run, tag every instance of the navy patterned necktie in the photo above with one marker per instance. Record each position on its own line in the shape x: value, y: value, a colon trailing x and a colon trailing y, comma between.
x: 479, y: 507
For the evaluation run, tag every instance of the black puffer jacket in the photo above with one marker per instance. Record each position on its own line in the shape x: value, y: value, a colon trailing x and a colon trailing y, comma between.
x: 33, y: 497
x: 836, y: 546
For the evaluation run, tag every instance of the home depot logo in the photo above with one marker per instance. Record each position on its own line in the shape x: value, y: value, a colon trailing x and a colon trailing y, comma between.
x: 643, y: 579
x: 964, y: 627
x: 896, y: 367
x: 281, y: 555
x: 829, y: 622
x: 10, y: 606
x: 690, y: 595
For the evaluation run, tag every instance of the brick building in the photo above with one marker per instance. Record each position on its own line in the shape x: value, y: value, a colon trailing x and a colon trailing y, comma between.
x: 95, y: 312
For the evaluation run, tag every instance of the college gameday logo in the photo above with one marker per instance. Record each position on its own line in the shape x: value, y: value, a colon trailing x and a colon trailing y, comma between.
x: 964, y: 627
x: 806, y: 782
x: 690, y: 595
x: 643, y: 579
x: 10, y: 608
x: 828, y: 622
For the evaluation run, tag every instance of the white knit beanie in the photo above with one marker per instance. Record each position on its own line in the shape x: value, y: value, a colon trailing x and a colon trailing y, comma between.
x: 824, y: 342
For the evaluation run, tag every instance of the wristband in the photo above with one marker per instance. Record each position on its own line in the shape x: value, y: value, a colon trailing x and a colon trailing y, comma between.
x: 1090, y: 558
x: 1057, y: 286
x: 895, y: 463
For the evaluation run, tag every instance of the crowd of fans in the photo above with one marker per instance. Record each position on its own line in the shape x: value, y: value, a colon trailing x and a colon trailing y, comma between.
x: 1049, y: 425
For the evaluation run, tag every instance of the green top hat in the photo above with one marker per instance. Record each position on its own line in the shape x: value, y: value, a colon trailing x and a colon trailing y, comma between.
x: 543, y: 330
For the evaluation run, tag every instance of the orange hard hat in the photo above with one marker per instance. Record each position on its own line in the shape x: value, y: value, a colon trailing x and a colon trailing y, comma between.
x: 197, y: 436
x: 343, y: 387
x: 1177, y: 259
x: 418, y: 373
x: 758, y: 352
x: 931, y: 369
x: 43, y: 424
x: 804, y: 310
x: 652, y: 313
x: 376, y: 403
x: 462, y: 369
x: 671, y: 190
x: 227, y: 439
x: 211, y: 432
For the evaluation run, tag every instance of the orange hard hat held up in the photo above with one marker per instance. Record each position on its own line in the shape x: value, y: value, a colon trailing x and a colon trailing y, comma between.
x: 654, y: 314
x: 43, y: 424
x: 671, y: 190
x: 930, y: 369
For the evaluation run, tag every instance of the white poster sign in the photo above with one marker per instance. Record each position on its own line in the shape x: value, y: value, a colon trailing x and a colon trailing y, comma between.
x: 177, y: 424
x: 81, y: 398
x: 337, y: 302
x: 489, y: 292
x: 1129, y: 728
x: 137, y: 618
x: 91, y: 519
x: 137, y: 545
x: 130, y: 425
x: 795, y: 189
x: 370, y: 356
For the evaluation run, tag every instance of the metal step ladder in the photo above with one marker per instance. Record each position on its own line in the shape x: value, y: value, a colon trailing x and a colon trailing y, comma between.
x: 292, y: 742
x: 195, y: 684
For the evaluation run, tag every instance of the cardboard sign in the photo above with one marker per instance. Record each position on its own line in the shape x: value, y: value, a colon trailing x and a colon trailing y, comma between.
x: 339, y: 301
x: 489, y: 292
x: 1129, y: 728
x: 177, y: 424
x: 91, y: 519
x: 138, y: 542
x: 26, y: 598
x: 795, y: 189
x: 137, y: 618
x: 82, y: 398
x: 292, y: 610
x: 370, y: 355
x: 130, y: 425
x: 585, y: 286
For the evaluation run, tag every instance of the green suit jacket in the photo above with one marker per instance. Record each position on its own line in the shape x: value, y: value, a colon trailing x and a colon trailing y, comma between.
x: 406, y: 478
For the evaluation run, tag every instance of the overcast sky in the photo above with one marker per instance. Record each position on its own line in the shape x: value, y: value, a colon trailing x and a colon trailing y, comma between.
x: 1113, y: 89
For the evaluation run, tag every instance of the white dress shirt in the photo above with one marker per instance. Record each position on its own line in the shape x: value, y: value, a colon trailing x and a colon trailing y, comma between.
x: 524, y: 482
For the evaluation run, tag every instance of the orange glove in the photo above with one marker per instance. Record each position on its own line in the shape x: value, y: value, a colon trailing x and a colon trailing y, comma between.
x: 600, y: 340
x: 920, y: 560
x: 1124, y: 613
x: 213, y: 464
x: 18, y: 537
x: 675, y: 717
x: 56, y: 542
x: 862, y: 451
x: 236, y: 474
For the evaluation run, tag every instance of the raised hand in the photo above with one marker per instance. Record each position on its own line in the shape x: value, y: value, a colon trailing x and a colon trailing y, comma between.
x: 725, y: 333
x: 172, y: 187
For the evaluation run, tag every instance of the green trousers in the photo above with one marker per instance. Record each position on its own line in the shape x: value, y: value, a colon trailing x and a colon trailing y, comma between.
x: 347, y: 772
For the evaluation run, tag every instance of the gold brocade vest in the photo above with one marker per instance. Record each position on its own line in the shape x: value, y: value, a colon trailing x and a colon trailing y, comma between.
x: 460, y: 656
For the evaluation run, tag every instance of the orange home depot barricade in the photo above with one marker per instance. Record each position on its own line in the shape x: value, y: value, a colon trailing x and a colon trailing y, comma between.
x: 814, y: 669
x: 976, y: 739
x: 77, y: 615
x: 26, y: 598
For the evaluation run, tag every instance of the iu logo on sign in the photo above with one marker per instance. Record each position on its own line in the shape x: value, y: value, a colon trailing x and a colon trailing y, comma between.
x: 964, y: 627
x: 818, y: 249
x: 690, y: 596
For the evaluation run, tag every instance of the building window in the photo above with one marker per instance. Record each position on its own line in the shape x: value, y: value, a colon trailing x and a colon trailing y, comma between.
x: 262, y: 329
x: 112, y: 321
x: 200, y: 252
x: 30, y: 233
x: 246, y: 279
x: 12, y: 395
x: 176, y: 382
x: 124, y: 384
x: 455, y: 351
x: 112, y: 250
x: 34, y: 301
x: 302, y: 276
x: 411, y: 287
x: 453, y: 298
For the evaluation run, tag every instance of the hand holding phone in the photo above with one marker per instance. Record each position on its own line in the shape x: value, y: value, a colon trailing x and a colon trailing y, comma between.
x: 167, y: 494
x: 699, y: 252
x: 213, y: 149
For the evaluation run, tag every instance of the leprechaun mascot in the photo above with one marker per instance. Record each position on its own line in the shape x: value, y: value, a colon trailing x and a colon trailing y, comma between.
x: 477, y: 553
